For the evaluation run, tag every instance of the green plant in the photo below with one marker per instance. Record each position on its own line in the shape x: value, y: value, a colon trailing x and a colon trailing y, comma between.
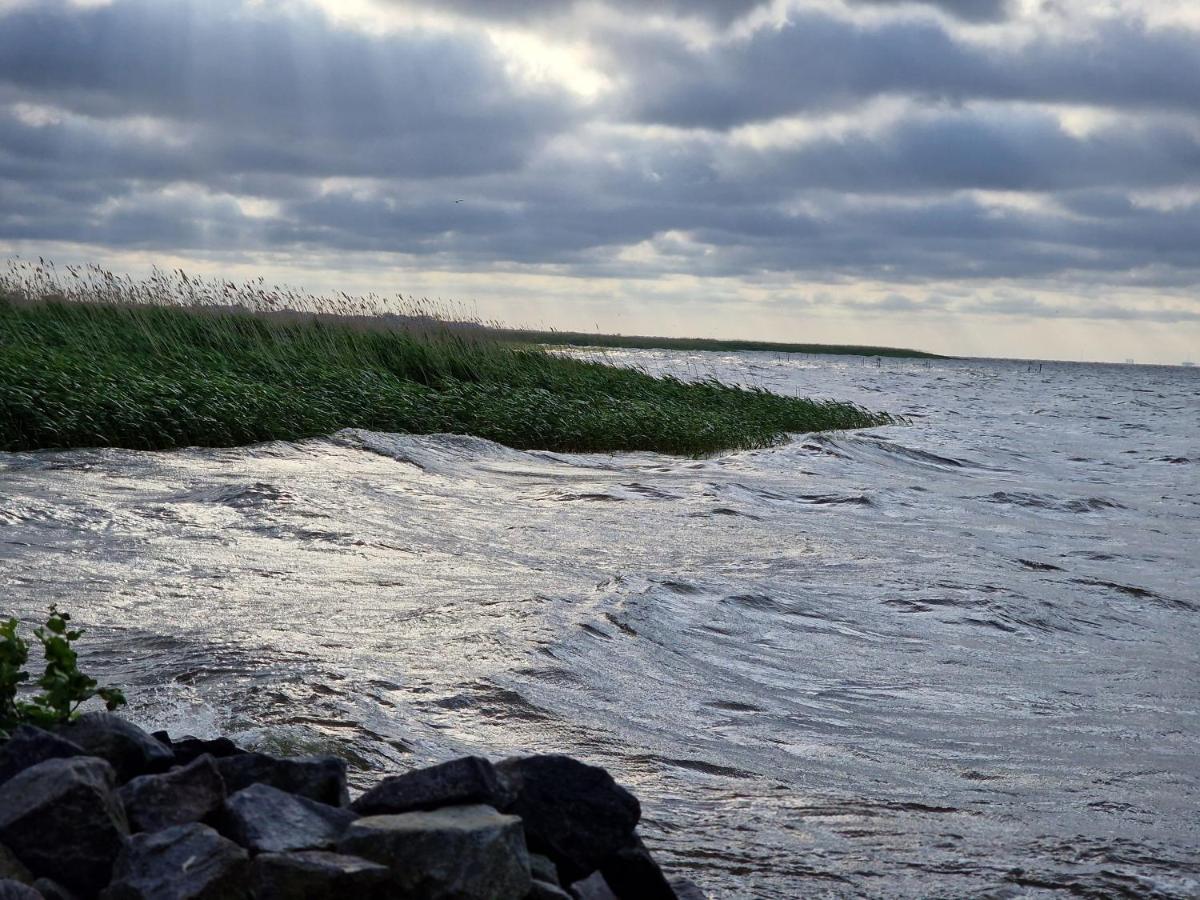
x: 64, y: 687
x: 94, y: 360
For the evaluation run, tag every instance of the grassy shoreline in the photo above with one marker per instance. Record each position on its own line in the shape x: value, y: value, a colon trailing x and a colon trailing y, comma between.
x: 155, y: 369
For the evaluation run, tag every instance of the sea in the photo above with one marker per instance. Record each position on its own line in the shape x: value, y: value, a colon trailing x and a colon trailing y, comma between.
x: 953, y: 657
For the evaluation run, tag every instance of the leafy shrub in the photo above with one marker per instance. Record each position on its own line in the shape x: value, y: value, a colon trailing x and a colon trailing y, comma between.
x: 64, y: 687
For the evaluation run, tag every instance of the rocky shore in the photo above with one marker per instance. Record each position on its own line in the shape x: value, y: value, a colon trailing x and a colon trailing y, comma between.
x: 100, y: 808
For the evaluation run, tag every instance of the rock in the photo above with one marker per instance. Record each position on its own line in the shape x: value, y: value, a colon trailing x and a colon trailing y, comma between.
x: 126, y: 747
x: 316, y: 873
x: 461, y: 852
x: 543, y: 869
x: 544, y: 890
x: 459, y: 782
x: 186, y: 794
x: 594, y: 887
x: 188, y: 748
x: 185, y: 862
x: 27, y: 746
x: 320, y: 778
x: 15, y: 890
x: 267, y: 820
x: 573, y: 813
x: 687, y: 890
x: 63, y: 819
x: 52, y: 890
x: 12, y: 868
x: 632, y: 872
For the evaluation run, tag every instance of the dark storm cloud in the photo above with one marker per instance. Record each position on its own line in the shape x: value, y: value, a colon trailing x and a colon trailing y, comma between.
x: 967, y: 10
x: 821, y: 62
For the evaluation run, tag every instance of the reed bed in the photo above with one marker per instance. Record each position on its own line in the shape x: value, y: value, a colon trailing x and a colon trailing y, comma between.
x: 89, y: 359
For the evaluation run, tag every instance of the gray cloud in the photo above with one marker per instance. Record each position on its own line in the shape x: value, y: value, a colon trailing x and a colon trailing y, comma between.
x: 1030, y: 307
x: 979, y: 149
x: 290, y: 86
x: 967, y: 10
x: 227, y: 127
x: 821, y: 62
x: 538, y: 11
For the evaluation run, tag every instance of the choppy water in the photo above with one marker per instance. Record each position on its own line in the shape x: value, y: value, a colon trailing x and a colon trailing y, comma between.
x: 956, y: 658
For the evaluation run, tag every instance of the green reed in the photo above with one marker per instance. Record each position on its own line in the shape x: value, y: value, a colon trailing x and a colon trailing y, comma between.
x: 90, y: 359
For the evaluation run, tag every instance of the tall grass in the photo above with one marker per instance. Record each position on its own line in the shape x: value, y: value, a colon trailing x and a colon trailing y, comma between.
x: 91, y: 359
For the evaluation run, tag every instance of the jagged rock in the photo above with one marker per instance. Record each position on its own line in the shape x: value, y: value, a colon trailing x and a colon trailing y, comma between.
x: 186, y: 794
x: 687, y: 890
x: 459, y: 782
x: 12, y: 868
x: 632, y: 872
x: 573, y: 813
x: 15, y: 890
x: 52, y: 890
x: 128, y: 749
x: 544, y: 890
x: 185, y: 862
x: 267, y: 820
x: 317, y: 873
x: 27, y: 746
x: 62, y: 818
x: 320, y: 778
x: 188, y: 748
x: 543, y: 869
x: 461, y: 852
x: 594, y: 887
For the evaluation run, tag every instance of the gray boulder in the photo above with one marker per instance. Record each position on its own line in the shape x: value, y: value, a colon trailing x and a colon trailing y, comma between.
x: 186, y: 862
x: 63, y: 819
x: 594, y: 887
x: 461, y: 852
x: 320, y: 778
x: 632, y: 872
x: 267, y: 820
x: 27, y: 746
x: 128, y: 749
x: 188, y: 748
x: 52, y: 890
x: 543, y: 869
x: 573, y: 813
x: 186, y: 794
x: 15, y: 890
x: 459, y: 782
x: 12, y: 868
x: 687, y: 890
x: 315, y: 873
x: 544, y: 890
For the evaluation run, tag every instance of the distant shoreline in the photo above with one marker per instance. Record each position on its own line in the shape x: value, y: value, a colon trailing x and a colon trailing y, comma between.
x: 649, y: 342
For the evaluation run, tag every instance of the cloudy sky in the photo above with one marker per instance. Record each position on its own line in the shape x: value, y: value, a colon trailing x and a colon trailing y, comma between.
x: 986, y: 177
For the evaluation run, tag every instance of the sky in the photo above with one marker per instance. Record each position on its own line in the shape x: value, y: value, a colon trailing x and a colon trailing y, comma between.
x: 973, y: 177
